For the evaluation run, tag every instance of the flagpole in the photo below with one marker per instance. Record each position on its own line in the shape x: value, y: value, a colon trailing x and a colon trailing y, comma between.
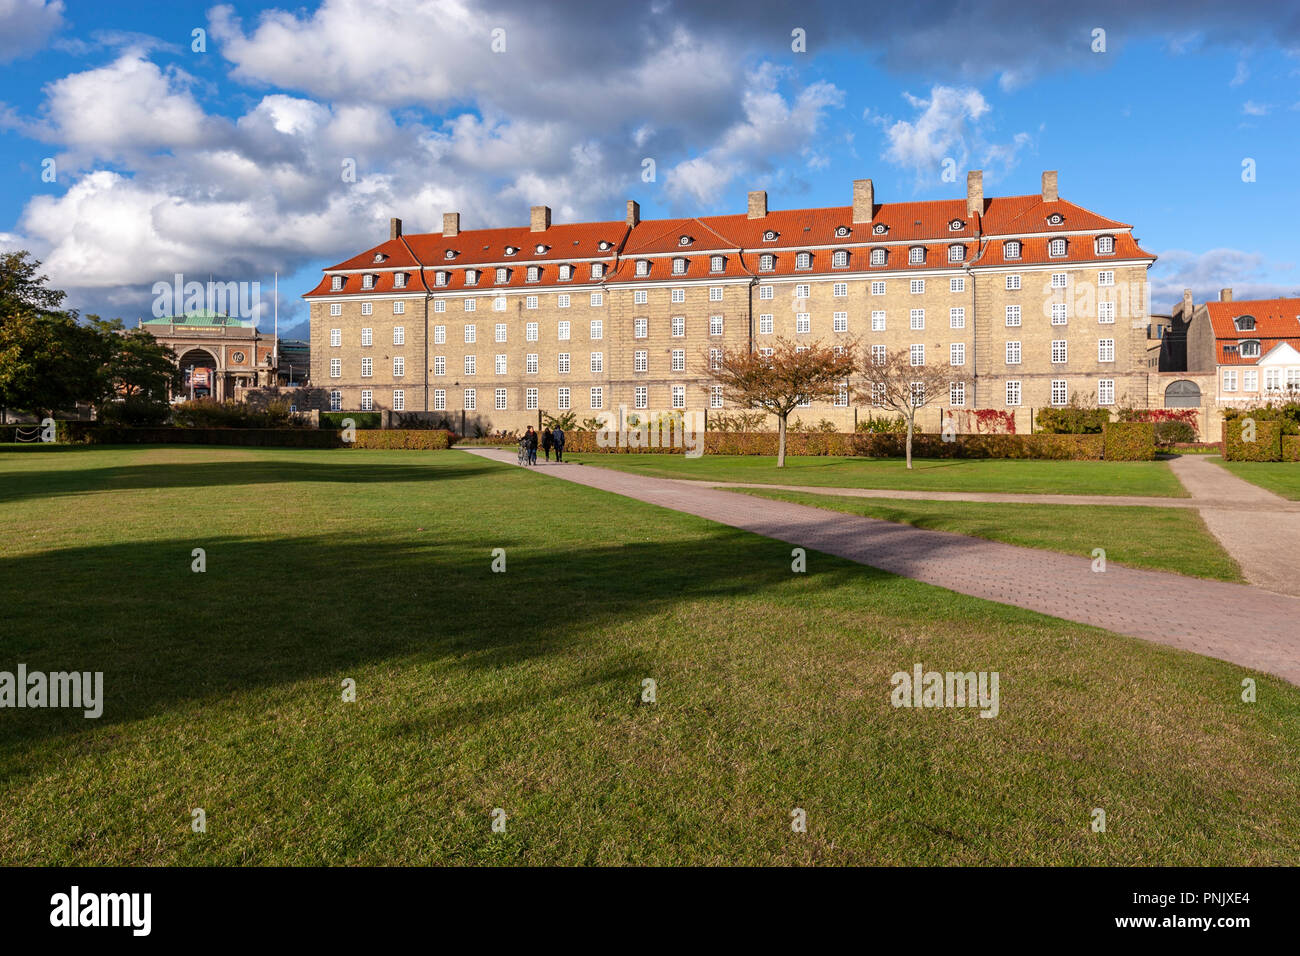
x: 275, y: 347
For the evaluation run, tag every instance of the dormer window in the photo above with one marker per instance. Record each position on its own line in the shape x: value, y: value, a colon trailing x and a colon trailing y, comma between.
x: 842, y: 231
x: 367, y: 281
x: 440, y: 278
x: 471, y: 277
x: 449, y: 254
x: 643, y: 267
x: 878, y: 257
x: 541, y: 249
x: 1244, y: 323
x: 602, y: 245
x: 534, y: 273
x: 1056, y: 248
x: 880, y: 229
x: 336, y: 283
x: 1250, y: 348
x: 380, y: 257
x: 956, y: 225
x: 503, y: 276
x: 1105, y: 245
x: 597, y: 270
x: 769, y: 235
x: 1011, y: 249
x: 956, y: 253
x: 511, y: 250
x: 1055, y: 219
x: 717, y: 263
x: 766, y: 262
x: 566, y: 272
x: 803, y: 260
x: 685, y: 241
x: 916, y: 255
x: 840, y: 259
x: 679, y: 267
x: 399, y: 280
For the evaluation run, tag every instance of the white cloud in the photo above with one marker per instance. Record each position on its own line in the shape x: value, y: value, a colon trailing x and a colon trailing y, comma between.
x: 1242, y: 74
x: 1249, y: 274
x: 26, y: 25
x: 950, y: 125
x: 1251, y: 108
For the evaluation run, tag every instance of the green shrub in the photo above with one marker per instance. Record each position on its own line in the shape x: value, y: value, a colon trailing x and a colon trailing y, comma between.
x: 875, y: 445
x: 420, y: 439
x: 1288, y: 414
x: 1129, y: 441
x: 86, y: 433
x: 1291, y: 447
x: 359, y: 419
x: 206, y: 413
x: 1072, y: 420
x: 135, y: 411
x: 1170, y: 433
x: 1267, y: 445
x: 885, y: 424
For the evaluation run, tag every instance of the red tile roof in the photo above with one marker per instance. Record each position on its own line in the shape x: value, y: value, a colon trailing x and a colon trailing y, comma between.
x: 1276, y: 320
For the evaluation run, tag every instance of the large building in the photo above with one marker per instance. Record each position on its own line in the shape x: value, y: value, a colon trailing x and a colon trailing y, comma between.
x: 218, y: 354
x: 1032, y: 300
x: 1250, y: 348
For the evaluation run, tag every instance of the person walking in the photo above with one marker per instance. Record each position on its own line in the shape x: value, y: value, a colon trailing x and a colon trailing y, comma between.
x: 547, y: 442
x: 532, y: 446
x: 557, y: 437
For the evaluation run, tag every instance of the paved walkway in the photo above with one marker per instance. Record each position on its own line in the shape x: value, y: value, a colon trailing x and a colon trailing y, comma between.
x: 1232, y: 622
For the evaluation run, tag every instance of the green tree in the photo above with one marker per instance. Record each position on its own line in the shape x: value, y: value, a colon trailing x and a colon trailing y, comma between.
x: 48, y: 362
x: 138, y: 366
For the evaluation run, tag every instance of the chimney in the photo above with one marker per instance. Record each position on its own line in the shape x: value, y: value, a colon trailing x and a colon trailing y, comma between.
x: 633, y: 212
x: 864, y: 200
x: 1187, y: 305
x: 757, y: 204
x: 1225, y: 295
x: 539, y: 219
x: 394, y: 229
x: 451, y: 224
x: 1049, y: 186
x: 975, y: 192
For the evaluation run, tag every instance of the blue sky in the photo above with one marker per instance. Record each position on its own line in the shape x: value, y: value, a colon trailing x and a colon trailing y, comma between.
x: 228, y: 161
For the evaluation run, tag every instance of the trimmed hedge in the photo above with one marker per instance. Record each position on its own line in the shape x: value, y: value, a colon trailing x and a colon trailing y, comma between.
x: 1267, y: 445
x: 416, y: 439
x: 874, y: 445
x: 86, y: 433
x: 359, y: 419
x: 1129, y: 441
x: 1291, y: 447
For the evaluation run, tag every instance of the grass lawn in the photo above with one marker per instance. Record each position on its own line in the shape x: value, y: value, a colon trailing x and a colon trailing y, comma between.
x: 1280, y: 477
x: 928, y: 474
x: 1165, y: 539
x: 478, y: 690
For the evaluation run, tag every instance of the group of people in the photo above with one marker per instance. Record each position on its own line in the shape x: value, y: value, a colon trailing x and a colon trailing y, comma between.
x: 550, y: 438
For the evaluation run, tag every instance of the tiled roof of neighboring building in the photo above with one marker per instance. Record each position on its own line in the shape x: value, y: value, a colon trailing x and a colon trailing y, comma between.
x: 1276, y: 321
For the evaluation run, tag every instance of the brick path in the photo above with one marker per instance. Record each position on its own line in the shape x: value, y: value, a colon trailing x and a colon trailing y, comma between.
x: 1232, y: 622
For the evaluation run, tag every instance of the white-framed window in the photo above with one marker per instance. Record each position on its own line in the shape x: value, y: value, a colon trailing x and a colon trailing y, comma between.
x: 917, y: 286
x: 1230, y: 380
x: 679, y: 267
x: 1105, y: 350
x: 640, y: 296
x: 878, y: 394
x: 336, y: 283
x: 715, y: 293
x: 678, y: 295
x: 597, y: 362
x: 679, y: 360
x: 840, y: 322
x: 500, y: 331
x: 1106, y: 391
x: 715, y: 359
x: 367, y: 337
x: 803, y: 260
x: 679, y: 326
x: 367, y: 367
x: 562, y: 398
x: 399, y: 366
x: 957, y: 318
x: 1013, y: 393
x: 1106, y: 277
x: 399, y: 400
x: 917, y: 354
x: 1105, y: 245
x: 471, y: 364
x: 878, y: 257
x: 642, y: 396
x: 1249, y: 348
x: 957, y: 353
x: 1013, y: 283
x: 440, y: 278
x: 957, y: 394
x: 470, y: 305
x: 367, y: 400
x: 1011, y: 249
x: 471, y: 277
x: 918, y: 393
x: 643, y: 267
x: 1013, y: 353
x: 1013, y: 315
x: 1060, y: 394
x: 562, y: 363
x: 440, y: 365
x: 530, y: 332
x: 439, y: 305
x: 1059, y: 351
x: 878, y: 287
x: 717, y: 263
x: 766, y: 262
x: 839, y: 259
x: 503, y: 275
x: 956, y: 253
x: 439, y: 399
x: 878, y: 355
x: 530, y: 363
x: 916, y: 319
x: 534, y: 274
x: 802, y: 290
x: 563, y: 332
x: 336, y: 368
x: 679, y: 396
x: 1058, y: 313
x: 440, y: 335
x: 1106, y: 313
x: 399, y: 280
x: 1056, y: 247
x: 715, y: 396
x: 399, y: 335
x: 839, y: 289
x: 530, y: 302
x: 499, y: 364
x: 597, y: 299
x: 597, y: 396
x: 1249, y: 380
x: 916, y: 255
x: 1272, y: 379
x: 1058, y: 280
x: 367, y: 281
x: 765, y: 324
x: 530, y: 399
x: 597, y: 330
x: 562, y: 300
x: 640, y: 328
x: 957, y: 284
x: 336, y: 337
x: 499, y: 399
x: 471, y: 399
x: 803, y: 322
x: 471, y: 334
x: 715, y: 325
x: 765, y: 292
x: 877, y: 320
x: 367, y: 308
x: 640, y: 361
x: 399, y: 307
